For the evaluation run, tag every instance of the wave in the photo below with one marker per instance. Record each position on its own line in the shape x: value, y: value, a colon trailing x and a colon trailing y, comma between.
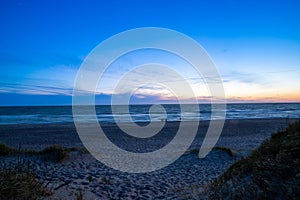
x: 140, y: 113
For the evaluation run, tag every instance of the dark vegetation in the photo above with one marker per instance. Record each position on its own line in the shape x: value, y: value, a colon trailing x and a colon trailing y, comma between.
x: 17, y: 181
x: 52, y: 153
x: 271, y: 172
x: 219, y: 148
x: 6, y: 150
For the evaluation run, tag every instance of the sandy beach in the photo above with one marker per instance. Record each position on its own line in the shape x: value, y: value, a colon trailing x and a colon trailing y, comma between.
x: 81, y: 172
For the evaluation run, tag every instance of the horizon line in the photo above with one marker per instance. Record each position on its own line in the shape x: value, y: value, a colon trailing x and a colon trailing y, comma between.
x: 62, y: 105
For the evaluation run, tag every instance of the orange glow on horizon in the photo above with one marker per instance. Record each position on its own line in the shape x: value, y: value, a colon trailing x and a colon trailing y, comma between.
x: 287, y: 97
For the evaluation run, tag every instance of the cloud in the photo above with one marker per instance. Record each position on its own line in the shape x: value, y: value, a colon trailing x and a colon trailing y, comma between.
x: 135, y: 99
x: 21, y: 88
x: 145, y: 85
x: 53, y: 81
x: 242, y: 77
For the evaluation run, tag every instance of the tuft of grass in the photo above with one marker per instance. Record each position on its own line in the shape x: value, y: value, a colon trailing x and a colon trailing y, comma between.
x: 105, y: 180
x: 90, y: 178
x: 71, y: 149
x: 6, y: 150
x: 53, y: 154
x: 17, y: 182
x: 224, y: 149
x: 192, y: 151
x: 79, y: 195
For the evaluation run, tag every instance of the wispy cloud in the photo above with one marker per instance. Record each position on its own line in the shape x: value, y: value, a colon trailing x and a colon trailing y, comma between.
x: 21, y: 88
x: 152, y: 83
x: 54, y: 81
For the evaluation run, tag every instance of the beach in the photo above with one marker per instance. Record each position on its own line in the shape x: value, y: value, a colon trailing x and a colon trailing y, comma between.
x: 81, y: 173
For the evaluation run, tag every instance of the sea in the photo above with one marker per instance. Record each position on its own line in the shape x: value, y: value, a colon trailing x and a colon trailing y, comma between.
x: 140, y: 113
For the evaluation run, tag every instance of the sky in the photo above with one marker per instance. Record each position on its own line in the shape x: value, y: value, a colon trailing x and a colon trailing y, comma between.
x: 254, y: 44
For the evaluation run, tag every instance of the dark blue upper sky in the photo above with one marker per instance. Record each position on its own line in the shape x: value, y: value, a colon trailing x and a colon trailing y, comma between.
x: 44, y: 42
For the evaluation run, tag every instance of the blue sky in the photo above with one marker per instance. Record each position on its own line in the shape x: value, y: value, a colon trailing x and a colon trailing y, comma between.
x: 254, y: 44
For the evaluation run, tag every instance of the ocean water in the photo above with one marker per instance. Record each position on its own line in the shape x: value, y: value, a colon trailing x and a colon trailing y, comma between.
x: 140, y: 113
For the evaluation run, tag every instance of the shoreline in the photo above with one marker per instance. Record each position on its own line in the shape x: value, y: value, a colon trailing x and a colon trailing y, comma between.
x: 106, y: 123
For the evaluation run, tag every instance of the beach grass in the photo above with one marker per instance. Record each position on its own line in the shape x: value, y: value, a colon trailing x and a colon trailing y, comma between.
x: 271, y: 171
x: 18, y: 182
x: 79, y: 195
x: 55, y: 153
x: 6, y: 150
x: 220, y: 148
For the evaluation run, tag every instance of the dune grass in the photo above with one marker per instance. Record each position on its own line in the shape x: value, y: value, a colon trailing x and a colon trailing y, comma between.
x: 16, y: 179
x: 220, y: 148
x: 225, y: 149
x: 18, y: 182
x: 54, y: 153
x: 272, y: 171
x: 6, y: 150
